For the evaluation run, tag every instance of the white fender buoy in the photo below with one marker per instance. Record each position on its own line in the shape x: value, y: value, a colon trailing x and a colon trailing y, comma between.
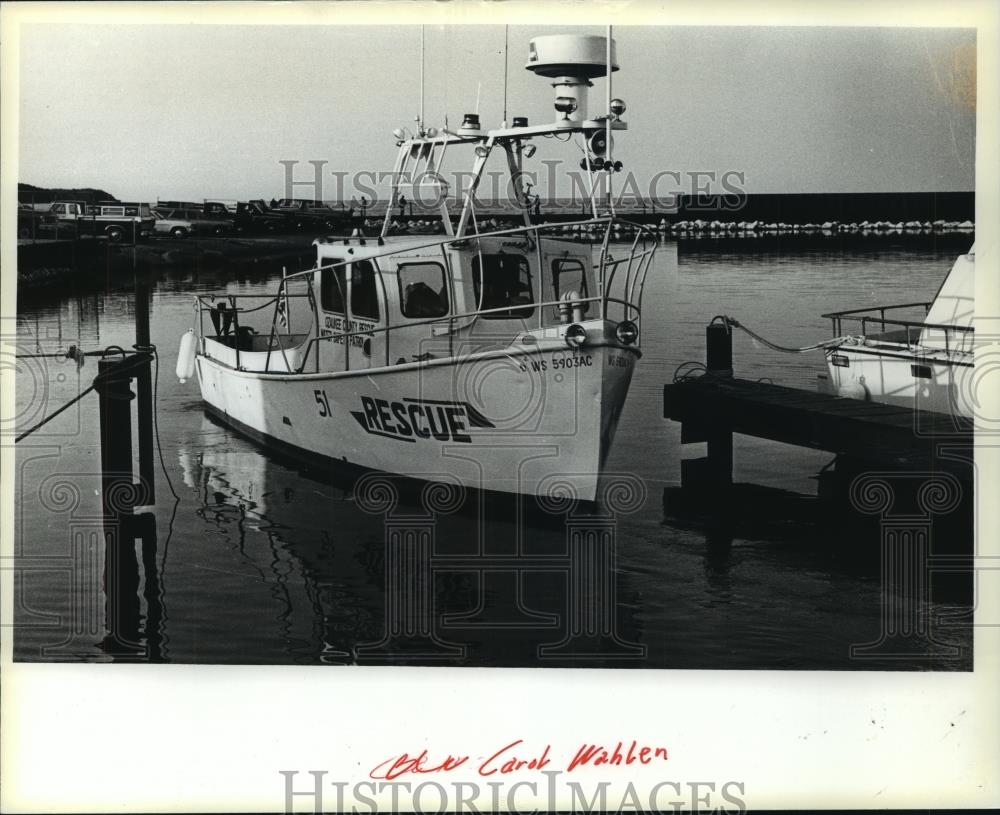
x: 855, y: 389
x: 185, y: 356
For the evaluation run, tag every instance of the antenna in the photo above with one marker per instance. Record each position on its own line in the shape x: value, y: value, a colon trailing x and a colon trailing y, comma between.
x: 506, y: 29
x: 421, y: 126
x: 607, y: 126
x: 479, y: 87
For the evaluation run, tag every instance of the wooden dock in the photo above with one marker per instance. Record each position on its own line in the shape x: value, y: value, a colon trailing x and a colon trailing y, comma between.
x: 871, y: 435
x: 865, y: 431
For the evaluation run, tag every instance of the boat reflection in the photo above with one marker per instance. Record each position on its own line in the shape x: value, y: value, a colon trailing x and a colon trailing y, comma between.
x: 374, y: 575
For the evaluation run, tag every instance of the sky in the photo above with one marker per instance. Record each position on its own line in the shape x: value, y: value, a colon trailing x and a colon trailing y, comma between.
x: 202, y: 111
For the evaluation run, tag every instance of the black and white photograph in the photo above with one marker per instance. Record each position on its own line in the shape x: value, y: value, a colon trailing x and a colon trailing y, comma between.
x: 614, y: 355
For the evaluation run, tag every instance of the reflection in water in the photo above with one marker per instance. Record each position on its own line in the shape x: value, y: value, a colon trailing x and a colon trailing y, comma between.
x: 132, y: 636
x: 404, y: 581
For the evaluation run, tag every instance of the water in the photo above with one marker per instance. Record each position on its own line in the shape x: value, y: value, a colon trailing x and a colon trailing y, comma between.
x: 259, y: 562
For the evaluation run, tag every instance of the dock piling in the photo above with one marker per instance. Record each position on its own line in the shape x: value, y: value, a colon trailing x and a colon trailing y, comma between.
x: 115, y: 415
x: 714, y: 471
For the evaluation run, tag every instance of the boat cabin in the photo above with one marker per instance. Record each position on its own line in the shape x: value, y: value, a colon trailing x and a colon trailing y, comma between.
x: 421, y: 303
x: 402, y: 299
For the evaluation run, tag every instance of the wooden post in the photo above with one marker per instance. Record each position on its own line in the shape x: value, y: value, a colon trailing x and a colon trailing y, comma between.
x: 719, y: 349
x: 116, y: 435
x: 715, y: 470
x: 719, y: 361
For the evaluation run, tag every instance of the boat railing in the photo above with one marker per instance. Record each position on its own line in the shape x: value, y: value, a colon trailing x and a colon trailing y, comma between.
x: 876, y: 316
x: 210, y: 305
x: 370, y: 333
x: 635, y: 263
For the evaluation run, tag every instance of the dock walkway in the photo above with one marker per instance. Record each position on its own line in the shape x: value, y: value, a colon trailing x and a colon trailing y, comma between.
x: 712, y: 407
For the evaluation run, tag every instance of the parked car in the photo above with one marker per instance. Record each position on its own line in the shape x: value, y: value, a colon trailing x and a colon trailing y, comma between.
x: 28, y: 219
x: 180, y: 223
x: 217, y: 208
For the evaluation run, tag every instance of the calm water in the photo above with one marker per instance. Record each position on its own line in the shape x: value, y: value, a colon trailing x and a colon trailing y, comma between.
x: 261, y: 563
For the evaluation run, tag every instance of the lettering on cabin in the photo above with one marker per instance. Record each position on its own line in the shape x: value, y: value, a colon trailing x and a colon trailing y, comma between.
x: 334, y: 326
x: 413, y: 419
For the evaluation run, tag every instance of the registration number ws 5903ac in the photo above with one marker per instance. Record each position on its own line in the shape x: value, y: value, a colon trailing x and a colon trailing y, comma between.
x: 558, y: 362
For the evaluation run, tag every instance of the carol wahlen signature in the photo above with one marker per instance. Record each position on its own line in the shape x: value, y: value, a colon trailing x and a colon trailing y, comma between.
x: 514, y: 758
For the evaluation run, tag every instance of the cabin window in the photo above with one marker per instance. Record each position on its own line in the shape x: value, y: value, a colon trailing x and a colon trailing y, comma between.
x: 113, y: 211
x: 364, y: 290
x: 423, y: 290
x: 503, y: 280
x: 333, y: 284
x: 568, y: 274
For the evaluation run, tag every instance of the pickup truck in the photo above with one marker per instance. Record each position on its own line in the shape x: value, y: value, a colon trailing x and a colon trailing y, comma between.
x: 315, y: 215
x: 256, y: 216
x: 113, y: 219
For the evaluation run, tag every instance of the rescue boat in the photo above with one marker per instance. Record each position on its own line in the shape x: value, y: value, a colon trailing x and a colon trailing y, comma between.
x: 496, y: 360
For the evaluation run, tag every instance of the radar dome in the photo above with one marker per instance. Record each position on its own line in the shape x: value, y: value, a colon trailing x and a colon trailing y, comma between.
x: 579, y: 55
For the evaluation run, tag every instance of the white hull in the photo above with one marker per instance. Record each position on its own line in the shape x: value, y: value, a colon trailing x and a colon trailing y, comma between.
x: 924, y: 364
x: 934, y: 381
x: 536, y: 421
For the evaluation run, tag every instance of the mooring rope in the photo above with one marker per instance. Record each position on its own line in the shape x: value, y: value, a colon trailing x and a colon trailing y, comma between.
x: 693, y: 369
x: 98, y: 381
x: 74, y: 353
x: 156, y: 424
x: 52, y: 415
x: 802, y: 349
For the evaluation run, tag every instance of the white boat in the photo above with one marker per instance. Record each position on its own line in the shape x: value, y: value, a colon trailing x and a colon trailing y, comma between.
x: 493, y: 360
x: 925, y: 362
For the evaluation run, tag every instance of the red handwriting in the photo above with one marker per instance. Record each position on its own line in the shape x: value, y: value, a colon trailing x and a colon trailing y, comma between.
x: 596, y: 755
x: 512, y: 763
x: 418, y: 765
x: 512, y: 758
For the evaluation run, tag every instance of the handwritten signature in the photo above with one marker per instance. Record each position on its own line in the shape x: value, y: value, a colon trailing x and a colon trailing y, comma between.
x: 509, y: 760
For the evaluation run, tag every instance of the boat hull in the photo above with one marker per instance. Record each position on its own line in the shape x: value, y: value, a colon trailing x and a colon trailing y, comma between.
x: 534, y: 422
x: 934, y: 381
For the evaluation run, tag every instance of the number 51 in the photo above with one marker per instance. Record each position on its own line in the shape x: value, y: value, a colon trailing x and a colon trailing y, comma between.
x: 321, y: 400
